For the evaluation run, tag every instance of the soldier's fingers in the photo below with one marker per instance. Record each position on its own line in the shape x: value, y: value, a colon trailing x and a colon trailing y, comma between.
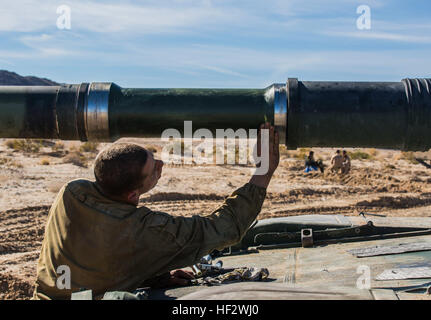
x: 271, y: 138
x: 183, y: 274
x: 259, y: 131
x: 187, y: 274
x: 259, y: 140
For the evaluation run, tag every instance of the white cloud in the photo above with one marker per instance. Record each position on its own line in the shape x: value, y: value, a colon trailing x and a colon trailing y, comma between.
x: 381, y: 36
x: 204, y: 18
x: 167, y: 16
x: 218, y: 70
x: 238, y: 64
x: 153, y: 17
x: 313, y: 7
x: 224, y: 66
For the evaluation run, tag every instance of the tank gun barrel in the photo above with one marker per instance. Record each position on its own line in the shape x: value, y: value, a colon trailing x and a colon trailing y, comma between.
x: 392, y: 115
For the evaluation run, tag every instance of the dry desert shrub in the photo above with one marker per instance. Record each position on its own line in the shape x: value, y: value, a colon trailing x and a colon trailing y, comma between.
x: 284, y: 153
x: 45, y: 162
x: 24, y: 145
x: 372, y: 152
x: 301, y: 153
x: 58, y: 150
x: 10, y: 163
x: 407, y: 156
x: 59, y: 146
x: 360, y: 155
x: 4, y: 161
x: 45, y: 142
x: 76, y: 158
x: 89, y: 147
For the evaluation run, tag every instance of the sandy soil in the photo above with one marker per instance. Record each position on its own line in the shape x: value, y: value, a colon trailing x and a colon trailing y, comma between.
x: 388, y: 184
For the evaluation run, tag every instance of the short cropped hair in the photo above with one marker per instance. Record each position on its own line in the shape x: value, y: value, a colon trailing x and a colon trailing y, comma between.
x: 118, y: 168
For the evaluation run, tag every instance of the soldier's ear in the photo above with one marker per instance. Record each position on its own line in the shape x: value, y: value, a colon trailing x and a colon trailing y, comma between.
x: 133, y: 196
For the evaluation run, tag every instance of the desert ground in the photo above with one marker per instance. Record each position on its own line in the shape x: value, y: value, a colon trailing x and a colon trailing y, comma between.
x: 386, y: 182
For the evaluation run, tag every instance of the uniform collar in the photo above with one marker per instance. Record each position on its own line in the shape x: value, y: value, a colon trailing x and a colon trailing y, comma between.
x: 88, y: 193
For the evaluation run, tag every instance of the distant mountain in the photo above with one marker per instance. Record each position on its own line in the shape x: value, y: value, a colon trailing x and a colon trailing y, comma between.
x: 8, y: 78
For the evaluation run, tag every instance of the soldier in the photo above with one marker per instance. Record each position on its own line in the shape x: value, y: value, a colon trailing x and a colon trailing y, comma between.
x: 97, y: 231
x: 311, y: 164
x: 346, y: 163
x: 336, y: 161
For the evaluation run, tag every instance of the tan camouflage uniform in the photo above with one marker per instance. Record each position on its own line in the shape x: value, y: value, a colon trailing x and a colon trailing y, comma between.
x: 346, y: 164
x: 336, y: 162
x: 109, y: 245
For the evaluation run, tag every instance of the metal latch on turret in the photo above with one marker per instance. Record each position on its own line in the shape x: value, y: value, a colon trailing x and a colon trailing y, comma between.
x: 307, y: 238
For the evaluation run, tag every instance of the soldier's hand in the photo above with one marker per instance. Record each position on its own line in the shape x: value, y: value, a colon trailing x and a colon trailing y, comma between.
x: 274, y: 147
x: 262, y: 179
x: 180, y: 277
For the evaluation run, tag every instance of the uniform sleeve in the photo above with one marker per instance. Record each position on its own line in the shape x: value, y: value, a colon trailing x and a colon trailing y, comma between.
x: 184, y: 240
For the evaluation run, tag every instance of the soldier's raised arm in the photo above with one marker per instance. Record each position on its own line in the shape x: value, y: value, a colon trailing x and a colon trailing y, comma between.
x: 182, y: 241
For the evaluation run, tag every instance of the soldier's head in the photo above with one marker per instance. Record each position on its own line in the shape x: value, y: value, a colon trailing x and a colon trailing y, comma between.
x: 124, y: 171
x: 337, y: 152
x: 344, y: 153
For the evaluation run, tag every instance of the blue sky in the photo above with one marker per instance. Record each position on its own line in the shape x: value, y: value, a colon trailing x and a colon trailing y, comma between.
x: 216, y: 43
